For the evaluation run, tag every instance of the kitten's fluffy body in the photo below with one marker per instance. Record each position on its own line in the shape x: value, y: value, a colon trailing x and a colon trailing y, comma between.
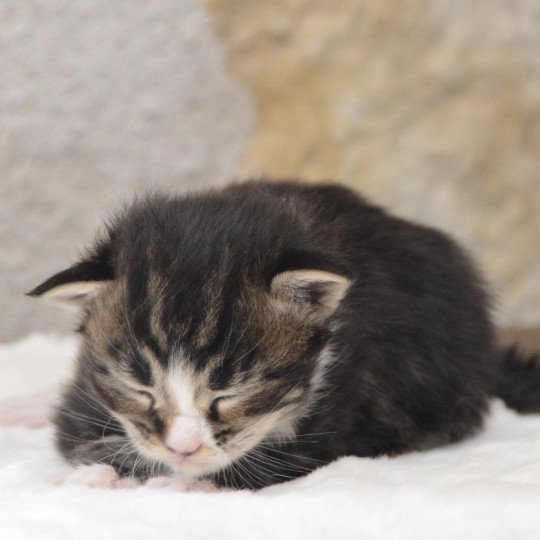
x: 292, y: 324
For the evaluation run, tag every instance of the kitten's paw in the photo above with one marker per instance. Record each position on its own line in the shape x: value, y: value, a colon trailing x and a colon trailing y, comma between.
x: 98, y: 475
x: 177, y: 483
x: 28, y: 412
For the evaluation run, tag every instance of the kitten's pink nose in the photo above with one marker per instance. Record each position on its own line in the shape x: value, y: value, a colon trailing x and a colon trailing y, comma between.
x: 185, y: 435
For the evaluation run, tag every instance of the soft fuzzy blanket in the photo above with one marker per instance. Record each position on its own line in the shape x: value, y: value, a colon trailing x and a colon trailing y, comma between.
x: 486, y: 487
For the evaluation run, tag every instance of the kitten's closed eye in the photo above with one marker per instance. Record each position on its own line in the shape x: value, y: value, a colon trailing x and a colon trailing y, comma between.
x: 225, y: 396
x: 142, y: 395
x: 217, y: 403
x: 148, y: 395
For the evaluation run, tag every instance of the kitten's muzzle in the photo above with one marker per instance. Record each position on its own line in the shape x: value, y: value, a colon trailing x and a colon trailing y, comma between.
x: 186, y: 435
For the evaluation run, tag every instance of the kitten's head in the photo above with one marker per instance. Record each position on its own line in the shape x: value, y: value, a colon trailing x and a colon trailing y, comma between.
x: 205, y: 326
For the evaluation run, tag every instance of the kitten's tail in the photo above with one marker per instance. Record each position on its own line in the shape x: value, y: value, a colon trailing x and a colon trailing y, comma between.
x: 519, y: 380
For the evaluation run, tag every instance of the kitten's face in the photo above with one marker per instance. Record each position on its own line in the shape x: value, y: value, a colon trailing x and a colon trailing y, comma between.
x: 196, y: 396
x: 205, y: 325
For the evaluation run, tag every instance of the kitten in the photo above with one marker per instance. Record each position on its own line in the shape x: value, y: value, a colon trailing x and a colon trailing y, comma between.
x: 252, y: 334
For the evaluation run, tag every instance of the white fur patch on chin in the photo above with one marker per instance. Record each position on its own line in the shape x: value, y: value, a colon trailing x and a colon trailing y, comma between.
x: 32, y: 413
x: 98, y: 476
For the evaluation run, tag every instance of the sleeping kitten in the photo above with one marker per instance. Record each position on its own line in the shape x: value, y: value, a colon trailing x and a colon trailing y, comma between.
x: 252, y: 334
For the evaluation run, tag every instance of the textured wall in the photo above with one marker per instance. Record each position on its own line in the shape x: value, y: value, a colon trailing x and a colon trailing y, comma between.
x: 97, y: 100
x: 431, y: 107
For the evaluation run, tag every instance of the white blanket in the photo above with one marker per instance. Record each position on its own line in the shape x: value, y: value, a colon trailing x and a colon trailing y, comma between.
x: 487, y: 487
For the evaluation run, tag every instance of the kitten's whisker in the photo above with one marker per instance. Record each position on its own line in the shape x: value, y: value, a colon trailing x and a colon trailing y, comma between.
x: 257, y: 471
x: 247, y: 472
x: 235, y: 471
x: 134, y: 467
x: 273, y: 449
x: 69, y: 437
x: 253, y: 474
x: 280, y: 462
x: 105, y: 427
x: 77, y: 416
x: 314, y: 434
x: 129, y: 454
x: 271, y: 473
x: 80, y: 416
x: 127, y: 448
x: 92, y: 404
x: 256, y: 461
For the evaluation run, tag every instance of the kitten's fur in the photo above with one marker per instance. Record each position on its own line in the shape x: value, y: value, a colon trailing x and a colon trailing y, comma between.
x: 297, y: 323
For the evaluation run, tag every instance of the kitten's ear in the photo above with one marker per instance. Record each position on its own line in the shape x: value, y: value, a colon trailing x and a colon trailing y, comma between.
x: 75, y: 285
x: 320, y: 289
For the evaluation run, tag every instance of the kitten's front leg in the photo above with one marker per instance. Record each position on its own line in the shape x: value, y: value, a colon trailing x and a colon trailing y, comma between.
x: 98, y: 475
x: 115, y: 451
x: 109, y: 462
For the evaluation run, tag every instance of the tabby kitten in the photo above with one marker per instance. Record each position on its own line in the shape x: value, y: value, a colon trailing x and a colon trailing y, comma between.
x: 252, y: 334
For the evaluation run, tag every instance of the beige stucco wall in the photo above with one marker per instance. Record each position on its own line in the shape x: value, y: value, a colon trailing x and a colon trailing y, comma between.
x: 432, y: 108
x: 99, y: 100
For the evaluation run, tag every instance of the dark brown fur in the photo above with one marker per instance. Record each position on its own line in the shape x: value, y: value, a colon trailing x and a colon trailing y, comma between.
x: 286, y: 379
